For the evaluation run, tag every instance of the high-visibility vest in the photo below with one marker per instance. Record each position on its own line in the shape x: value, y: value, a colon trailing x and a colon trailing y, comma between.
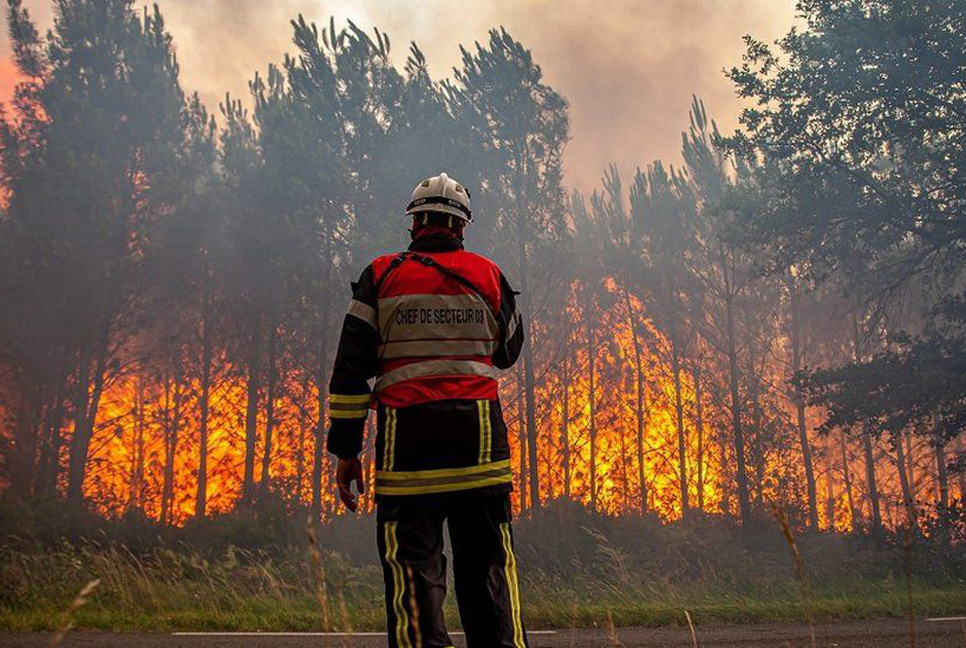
x: 430, y: 329
x: 436, y: 318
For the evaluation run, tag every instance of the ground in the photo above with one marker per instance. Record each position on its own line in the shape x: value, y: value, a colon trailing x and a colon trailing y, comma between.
x: 876, y: 633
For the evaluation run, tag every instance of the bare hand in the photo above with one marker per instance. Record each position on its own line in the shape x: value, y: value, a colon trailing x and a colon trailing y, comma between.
x: 348, y: 471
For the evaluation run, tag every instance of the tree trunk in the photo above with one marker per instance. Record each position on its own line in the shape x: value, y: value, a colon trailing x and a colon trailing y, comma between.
x: 321, y: 373
x: 171, y: 431
x: 201, y: 496
x: 870, y: 476
x: 942, y: 474
x: 699, y: 429
x: 797, y: 350
x: 20, y: 432
x: 847, y: 477
x: 531, y: 419
x: 27, y: 425
x: 34, y: 440
x: 624, y: 481
x: 829, y: 487
x: 269, y: 409
x: 85, y: 418
x: 907, y: 497
x: 522, y: 218
x: 911, y: 467
x: 167, y: 472
x: 756, y: 447
x: 744, y: 505
x: 679, y: 418
x: 50, y: 455
x: 725, y: 483
x: 639, y: 403
x: 137, y: 478
x: 300, y: 462
x: 318, y: 450
x: 565, y: 428
x: 78, y: 449
x: 522, y: 438
x: 591, y: 355
x: 251, y: 407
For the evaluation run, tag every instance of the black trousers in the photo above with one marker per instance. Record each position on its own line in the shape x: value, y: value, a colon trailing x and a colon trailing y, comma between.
x: 484, y: 568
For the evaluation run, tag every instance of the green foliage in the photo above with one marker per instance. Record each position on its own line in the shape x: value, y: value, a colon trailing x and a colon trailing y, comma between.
x: 863, y: 110
x: 858, y: 120
x: 142, y: 241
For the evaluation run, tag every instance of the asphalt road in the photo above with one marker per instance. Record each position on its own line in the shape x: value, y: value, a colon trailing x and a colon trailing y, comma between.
x: 884, y: 633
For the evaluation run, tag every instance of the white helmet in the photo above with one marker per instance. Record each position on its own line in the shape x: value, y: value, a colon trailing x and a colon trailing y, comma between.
x: 441, y: 194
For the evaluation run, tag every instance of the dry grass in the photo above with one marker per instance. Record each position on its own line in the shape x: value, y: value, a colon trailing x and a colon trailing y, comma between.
x: 632, y: 575
x: 318, y: 569
x: 789, y: 535
x: 67, y: 621
x: 694, y: 636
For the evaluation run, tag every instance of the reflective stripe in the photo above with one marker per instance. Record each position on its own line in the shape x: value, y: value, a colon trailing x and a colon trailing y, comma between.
x: 437, y: 368
x: 430, y: 348
x: 486, y: 433
x: 389, y: 440
x: 394, y: 489
x: 349, y: 399
x: 418, y: 316
x: 398, y: 586
x: 512, y: 584
x: 442, y: 480
x: 363, y: 311
x: 444, y: 472
x: 348, y: 406
x: 515, y: 320
x: 349, y: 414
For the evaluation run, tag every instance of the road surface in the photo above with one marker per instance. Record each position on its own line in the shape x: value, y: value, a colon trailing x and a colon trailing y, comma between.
x: 883, y: 633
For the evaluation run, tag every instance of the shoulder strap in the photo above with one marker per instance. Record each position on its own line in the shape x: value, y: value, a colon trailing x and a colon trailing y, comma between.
x: 432, y: 263
x: 395, y: 263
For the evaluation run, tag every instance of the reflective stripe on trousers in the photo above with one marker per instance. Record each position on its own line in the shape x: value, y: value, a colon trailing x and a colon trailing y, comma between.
x: 419, y: 482
x: 400, y: 616
x: 484, y: 565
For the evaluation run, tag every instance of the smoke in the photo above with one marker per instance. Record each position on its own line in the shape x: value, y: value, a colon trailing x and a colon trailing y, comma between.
x: 628, y: 67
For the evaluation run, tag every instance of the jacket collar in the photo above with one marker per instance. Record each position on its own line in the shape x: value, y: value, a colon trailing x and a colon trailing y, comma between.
x: 435, y: 243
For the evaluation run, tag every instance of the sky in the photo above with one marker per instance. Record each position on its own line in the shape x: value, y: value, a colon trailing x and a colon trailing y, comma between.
x: 627, y: 67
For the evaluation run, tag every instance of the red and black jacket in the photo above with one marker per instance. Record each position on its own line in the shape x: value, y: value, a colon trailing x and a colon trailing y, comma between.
x: 434, y: 326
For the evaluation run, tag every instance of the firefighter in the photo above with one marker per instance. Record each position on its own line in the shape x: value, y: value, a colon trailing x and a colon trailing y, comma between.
x: 434, y: 326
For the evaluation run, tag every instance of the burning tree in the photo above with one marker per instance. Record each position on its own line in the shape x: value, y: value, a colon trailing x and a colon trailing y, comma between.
x: 170, y: 282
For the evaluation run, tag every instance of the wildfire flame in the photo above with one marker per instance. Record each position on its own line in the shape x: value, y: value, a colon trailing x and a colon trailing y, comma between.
x: 147, y: 435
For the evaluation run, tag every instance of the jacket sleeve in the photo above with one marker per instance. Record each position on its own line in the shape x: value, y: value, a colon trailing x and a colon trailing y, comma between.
x: 355, y: 364
x: 511, y: 328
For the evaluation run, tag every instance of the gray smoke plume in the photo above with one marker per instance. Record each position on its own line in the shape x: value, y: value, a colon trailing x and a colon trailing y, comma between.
x: 628, y: 67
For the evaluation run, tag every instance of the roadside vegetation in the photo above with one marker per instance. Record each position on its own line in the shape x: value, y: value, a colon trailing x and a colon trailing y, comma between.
x: 255, y: 571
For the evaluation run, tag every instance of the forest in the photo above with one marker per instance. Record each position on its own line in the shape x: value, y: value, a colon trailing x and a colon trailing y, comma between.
x: 769, y: 332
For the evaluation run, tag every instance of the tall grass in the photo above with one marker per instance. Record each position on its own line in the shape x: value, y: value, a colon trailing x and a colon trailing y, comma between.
x: 577, y: 569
